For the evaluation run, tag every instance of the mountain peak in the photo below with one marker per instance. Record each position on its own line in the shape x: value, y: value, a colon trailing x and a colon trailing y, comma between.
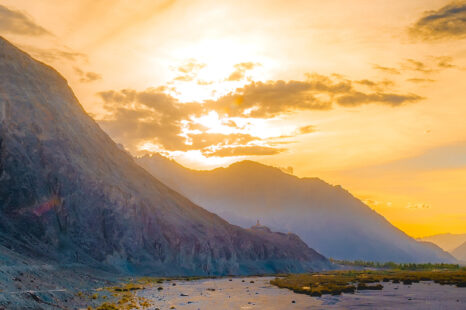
x: 69, y: 194
x: 250, y: 164
x: 326, y: 217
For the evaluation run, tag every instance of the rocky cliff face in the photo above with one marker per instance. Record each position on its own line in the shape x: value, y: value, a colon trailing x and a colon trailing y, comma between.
x: 328, y: 218
x: 70, y: 195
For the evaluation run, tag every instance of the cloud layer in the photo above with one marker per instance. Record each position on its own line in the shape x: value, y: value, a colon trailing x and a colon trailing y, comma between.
x: 138, y: 117
x: 16, y: 22
x: 446, y: 22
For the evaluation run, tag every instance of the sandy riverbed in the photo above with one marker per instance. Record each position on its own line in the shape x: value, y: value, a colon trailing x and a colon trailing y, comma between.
x: 240, y: 293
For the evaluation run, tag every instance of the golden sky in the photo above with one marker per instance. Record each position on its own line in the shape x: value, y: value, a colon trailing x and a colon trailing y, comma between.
x: 369, y: 94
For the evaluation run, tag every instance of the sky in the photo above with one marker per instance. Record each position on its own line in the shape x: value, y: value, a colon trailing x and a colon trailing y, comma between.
x: 368, y: 94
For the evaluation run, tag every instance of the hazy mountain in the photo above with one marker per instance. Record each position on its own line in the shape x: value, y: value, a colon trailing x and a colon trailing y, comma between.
x: 327, y: 217
x: 448, y: 242
x: 460, y: 252
x: 70, y: 195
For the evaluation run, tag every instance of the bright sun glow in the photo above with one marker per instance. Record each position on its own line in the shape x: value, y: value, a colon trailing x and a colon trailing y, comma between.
x: 217, y: 59
x: 402, y: 97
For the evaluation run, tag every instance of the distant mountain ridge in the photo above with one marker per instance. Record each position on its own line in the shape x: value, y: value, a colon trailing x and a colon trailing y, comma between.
x: 447, y: 241
x: 70, y: 195
x: 460, y: 252
x: 328, y: 218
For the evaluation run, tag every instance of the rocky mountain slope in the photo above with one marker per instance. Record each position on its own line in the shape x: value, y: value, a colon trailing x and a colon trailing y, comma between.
x: 69, y: 195
x: 328, y: 218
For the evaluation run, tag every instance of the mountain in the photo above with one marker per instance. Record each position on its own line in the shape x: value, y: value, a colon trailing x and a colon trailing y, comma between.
x: 460, y: 252
x: 328, y: 218
x: 448, y: 242
x: 69, y: 195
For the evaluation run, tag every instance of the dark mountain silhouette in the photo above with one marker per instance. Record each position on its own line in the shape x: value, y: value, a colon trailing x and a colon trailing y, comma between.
x: 70, y: 195
x: 328, y: 218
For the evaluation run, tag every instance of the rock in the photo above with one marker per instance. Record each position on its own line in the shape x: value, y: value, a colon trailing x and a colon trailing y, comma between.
x: 70, y: 195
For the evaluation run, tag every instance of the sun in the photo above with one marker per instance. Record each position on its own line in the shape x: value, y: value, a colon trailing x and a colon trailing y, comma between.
x: 215, y: 60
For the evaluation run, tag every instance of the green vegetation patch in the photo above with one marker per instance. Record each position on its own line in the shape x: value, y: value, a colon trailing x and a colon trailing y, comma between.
x: 392, y: 265
x: 338, y: 282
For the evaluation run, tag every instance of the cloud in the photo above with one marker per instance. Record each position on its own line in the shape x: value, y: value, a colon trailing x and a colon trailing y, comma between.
x: 444, y: 62
x: 418, y: 206
x: 447, y: 22
x: 386, y: 69
x: 153, y: 116
x: 203, y: 83
x: 358, y: 98
x: 306, y: 129
x: 253, y: 150
x: 189, y: 70
x: 376, y: 85
x: 419, y: 81
x: 17, y: 22
x: 87, y: 77
x: 240, y: 71
x: 90, y: 77
x: 190, y: 66
x: 318, y: 92
x: 416, y: 65
x: 54, y: 54
x: 266, y: 99
x: 206, y: 140
x: 431, y: 64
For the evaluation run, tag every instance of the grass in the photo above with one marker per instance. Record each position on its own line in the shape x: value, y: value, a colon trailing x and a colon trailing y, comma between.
x: 338, y: 282
x: 392, y: 265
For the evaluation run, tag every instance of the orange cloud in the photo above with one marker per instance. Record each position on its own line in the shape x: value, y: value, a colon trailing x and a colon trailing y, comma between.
x: 241, y: 70
x: 17, y: 22
x: 135, y: 117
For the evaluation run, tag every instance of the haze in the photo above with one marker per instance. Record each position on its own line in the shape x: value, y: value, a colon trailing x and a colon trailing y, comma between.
x: 367, y: 94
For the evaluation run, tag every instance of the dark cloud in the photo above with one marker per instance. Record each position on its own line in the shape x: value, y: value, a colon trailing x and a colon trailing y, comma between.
x: 318, y: 92
x: 252, y: 150
x: 358, y: 98
x: 240, y: 71
x: 16, y: 22
x: 446, y: 22
x: 136, y: 117
x: 268, y: 99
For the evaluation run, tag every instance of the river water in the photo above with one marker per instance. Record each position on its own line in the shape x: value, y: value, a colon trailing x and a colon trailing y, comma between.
x: 257, y: 293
